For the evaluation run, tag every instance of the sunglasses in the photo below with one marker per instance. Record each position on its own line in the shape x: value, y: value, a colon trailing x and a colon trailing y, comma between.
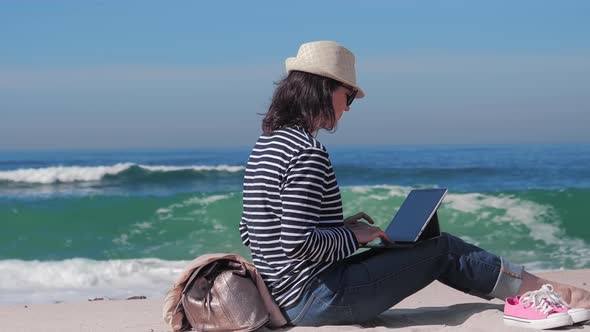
x: 350, y: 97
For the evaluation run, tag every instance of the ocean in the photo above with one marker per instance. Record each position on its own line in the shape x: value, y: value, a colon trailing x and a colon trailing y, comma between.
x: 80, y: 224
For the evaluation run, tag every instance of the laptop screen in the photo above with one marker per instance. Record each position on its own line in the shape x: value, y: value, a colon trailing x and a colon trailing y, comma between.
x: 414, y: 214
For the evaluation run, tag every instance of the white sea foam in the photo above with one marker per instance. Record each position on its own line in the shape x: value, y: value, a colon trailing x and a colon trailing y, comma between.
x: 219, y: 168
x: 507, y: 212
x: 205, y: 200
x: 511, y: 210
x: 197, y: 205
x: 80, y: 279
x: 166, y: 212
x: 95, y: 173
x: 541, y: 220
x: 388, y: 191
x: 62, y: 173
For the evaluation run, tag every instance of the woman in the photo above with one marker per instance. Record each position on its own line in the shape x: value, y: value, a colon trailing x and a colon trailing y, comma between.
x: 292, y: 215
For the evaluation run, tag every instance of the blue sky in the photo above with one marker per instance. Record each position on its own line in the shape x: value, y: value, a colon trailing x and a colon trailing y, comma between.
x: 190, y: 74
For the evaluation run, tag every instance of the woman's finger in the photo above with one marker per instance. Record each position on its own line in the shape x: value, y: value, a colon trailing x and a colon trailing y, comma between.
x: 353, y: 218
x: 367, y: 218
x: 350, y: 220
x: 384, y: 236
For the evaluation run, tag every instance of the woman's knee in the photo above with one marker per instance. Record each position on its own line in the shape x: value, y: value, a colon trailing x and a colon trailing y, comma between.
x: 455, y: 244
x: 443, y: 243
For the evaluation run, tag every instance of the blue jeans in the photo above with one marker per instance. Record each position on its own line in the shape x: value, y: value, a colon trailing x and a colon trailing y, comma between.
x: 362, y: 286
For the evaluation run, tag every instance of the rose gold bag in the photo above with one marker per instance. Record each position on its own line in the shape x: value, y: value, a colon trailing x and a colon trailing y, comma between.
x: 221, y: 296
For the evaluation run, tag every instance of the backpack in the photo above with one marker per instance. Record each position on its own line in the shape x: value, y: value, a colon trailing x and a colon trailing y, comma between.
x: 220, y: 292
x: 222, y: 296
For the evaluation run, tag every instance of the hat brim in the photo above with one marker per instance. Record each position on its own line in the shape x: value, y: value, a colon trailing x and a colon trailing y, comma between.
x: 291, y: 64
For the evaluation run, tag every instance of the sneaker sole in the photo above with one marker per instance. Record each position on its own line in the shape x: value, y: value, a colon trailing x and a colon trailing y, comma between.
x: 579, y: 315
x: 542, y: 324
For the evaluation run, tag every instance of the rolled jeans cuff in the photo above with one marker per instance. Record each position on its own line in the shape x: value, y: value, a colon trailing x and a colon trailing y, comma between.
x: 509, y: 280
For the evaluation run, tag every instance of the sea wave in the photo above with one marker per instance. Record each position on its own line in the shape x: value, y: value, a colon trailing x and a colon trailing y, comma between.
x: 144, y: 242
x: 80, y: 279
x: 509, y: 224
x: 66, y: 174
x: 508, y: 208
x: 543, y: 222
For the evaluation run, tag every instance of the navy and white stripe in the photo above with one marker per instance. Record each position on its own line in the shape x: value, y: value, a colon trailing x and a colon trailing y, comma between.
x: 292, y: 212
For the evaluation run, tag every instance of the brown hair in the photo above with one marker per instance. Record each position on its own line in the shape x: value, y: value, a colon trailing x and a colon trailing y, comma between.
x: 302, y: 99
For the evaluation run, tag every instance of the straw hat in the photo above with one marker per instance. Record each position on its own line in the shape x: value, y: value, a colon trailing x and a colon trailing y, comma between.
x: 326, y: 58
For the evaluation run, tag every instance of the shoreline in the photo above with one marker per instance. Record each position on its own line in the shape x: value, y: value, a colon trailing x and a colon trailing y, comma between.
x: 125, y: 295
x: 435, y: 308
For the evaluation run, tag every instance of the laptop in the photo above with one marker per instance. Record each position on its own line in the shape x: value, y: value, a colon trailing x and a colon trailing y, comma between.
x: 416, y: 220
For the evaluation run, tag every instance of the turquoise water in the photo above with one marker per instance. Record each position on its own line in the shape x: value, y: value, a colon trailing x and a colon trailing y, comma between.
x: 81, y: 224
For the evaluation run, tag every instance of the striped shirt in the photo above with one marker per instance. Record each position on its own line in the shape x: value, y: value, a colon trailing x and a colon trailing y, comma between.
x: 292, y: 212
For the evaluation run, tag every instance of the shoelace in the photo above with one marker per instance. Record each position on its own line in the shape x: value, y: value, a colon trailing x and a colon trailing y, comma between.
x: 540, y: 303
x: 547, y: 291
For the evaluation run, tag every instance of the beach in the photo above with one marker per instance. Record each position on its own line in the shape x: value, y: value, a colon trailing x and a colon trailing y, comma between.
x: 435, y: 308
x: 121, y: 224
x: 136, y: 137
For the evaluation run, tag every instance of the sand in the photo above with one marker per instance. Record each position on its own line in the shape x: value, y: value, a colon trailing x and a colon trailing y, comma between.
x: 435, y: 308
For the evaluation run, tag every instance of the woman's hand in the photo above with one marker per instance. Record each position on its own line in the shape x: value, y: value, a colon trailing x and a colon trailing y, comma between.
x: 363, y: 232
x: 357, y: 217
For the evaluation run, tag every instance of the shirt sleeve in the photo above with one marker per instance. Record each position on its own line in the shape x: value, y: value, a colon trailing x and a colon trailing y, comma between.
x: 244, y: 232
x: 303, y: 237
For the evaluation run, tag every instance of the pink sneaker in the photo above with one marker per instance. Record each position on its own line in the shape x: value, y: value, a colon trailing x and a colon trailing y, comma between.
x: 578, y: 314
x: 533, y: 311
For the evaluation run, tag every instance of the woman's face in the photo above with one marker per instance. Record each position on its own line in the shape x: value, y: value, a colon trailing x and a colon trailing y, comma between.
x: 339, y: 101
